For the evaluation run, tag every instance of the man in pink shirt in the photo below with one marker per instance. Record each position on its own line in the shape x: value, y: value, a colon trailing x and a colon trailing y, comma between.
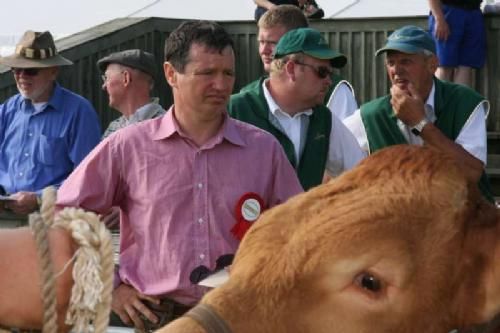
x: 185, y: 182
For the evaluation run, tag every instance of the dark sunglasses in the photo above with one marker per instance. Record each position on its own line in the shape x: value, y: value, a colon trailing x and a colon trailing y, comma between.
x: 322, y: 71
x: 26, y: 71
x: 202, y: 272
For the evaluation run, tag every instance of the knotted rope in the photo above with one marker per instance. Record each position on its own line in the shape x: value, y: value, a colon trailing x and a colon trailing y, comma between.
x: 92, y: 270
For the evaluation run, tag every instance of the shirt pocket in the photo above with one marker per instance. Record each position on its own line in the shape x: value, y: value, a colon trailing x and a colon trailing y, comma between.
x: 51, y: 150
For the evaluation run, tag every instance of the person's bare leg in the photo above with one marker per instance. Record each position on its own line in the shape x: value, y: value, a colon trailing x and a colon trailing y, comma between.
x: 445, y: 73
x: 463, y: 75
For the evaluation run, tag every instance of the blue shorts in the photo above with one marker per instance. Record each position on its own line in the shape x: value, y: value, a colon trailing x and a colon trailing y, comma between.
x: 466, y: 44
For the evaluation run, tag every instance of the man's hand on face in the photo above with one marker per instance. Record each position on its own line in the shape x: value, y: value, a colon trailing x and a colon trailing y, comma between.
x: 127, y: 303
x: 407, y: 105
x: 24, y: 203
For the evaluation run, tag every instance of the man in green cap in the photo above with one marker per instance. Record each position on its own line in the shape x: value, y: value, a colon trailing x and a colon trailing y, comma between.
x: 275, y: 23
x: 289, y: 104
x: 422, y: 109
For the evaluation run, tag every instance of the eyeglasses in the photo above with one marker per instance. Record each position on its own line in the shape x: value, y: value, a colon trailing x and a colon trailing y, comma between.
x: 322, y: 71
x: 201, y: 272
x: 105, y: 78
x: 26, y: 71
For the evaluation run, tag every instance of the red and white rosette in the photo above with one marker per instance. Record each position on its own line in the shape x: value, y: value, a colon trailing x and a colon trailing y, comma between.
x: 248, y: 210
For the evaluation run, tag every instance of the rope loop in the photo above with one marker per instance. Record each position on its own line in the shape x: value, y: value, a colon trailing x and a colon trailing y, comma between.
x: 93, y: 265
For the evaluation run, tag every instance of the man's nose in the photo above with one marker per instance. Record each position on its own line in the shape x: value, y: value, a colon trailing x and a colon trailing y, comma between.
x: 328, y: 79
x: 267, y: 48
x: 396, y: 69
x: 221, y: 82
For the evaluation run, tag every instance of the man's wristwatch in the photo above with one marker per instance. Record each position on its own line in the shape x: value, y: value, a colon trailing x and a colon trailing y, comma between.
x: 417, y: 129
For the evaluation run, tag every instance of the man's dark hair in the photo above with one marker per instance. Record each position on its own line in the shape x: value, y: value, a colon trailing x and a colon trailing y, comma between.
x: 207, y: 33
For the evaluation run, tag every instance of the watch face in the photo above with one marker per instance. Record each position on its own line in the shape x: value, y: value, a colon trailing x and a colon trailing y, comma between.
x: 415, y: 131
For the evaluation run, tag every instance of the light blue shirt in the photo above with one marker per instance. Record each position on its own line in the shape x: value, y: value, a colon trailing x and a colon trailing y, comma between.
x: 41, y: 148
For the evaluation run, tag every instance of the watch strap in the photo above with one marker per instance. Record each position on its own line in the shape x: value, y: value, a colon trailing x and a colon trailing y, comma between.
x: 418, y: 128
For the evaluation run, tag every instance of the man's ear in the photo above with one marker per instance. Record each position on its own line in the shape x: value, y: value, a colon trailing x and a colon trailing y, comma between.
x: 170, y: 74
x: 127, y: 77
x: 54, y: 71
x: 290, y: 70
x: 432, y: 63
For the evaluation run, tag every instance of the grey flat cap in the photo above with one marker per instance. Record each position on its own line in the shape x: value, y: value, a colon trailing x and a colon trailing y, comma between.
x: 138, y: 59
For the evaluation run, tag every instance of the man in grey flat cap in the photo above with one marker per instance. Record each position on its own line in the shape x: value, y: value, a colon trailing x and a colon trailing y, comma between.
x: 45, y: 129
x: 128, y: 79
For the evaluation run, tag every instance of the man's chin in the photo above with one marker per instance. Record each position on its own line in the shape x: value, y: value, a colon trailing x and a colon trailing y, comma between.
x: 26, y: 95
x: 402, y: 85
x: 32, y: 95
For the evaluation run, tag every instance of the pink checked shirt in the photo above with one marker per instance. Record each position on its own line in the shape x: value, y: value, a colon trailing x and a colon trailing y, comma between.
x: 177, y: 200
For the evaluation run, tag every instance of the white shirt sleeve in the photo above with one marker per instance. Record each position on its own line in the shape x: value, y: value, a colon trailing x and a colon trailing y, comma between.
x: 472, y: 137
x: 344, y: 152
x: 355, y: 125
x: 342, y: 102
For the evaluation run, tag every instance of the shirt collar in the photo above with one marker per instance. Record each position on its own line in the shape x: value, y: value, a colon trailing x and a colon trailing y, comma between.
x: 429, y: 104
x: 169, y: 126
x: 274, y: 107
x: 146, y: 111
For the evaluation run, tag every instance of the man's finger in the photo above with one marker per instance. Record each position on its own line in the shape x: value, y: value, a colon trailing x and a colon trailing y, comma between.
x: 149, y: 298
x: 393, y: 92
x: 396, y: 91
x: 413, y: 91
x: 134, y: 317
x: 124, y: 317
x: 146, y: 312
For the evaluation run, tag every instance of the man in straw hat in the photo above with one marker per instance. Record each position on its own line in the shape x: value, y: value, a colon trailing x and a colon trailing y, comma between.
x: 422, y: 109
x: 45, y: 129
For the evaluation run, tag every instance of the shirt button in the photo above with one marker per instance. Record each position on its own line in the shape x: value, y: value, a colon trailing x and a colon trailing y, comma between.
x: 200, y: 220
x: 30, y: 134
x: 20, y: 174
x: 202, y: 256
x: 200, y: 185
x: 26, y: 154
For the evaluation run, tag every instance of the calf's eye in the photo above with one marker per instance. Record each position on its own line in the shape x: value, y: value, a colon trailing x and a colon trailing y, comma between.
x: 369, y: 282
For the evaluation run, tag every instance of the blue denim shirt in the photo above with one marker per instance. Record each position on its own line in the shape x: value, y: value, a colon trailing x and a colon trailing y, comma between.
x: 38, y: 149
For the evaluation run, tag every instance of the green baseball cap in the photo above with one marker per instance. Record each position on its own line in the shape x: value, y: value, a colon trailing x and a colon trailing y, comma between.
x: 308, y: 41
x: 409, y: 39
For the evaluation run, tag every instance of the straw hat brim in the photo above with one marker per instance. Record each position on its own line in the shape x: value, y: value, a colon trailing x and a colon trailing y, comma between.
x: 17, y: 61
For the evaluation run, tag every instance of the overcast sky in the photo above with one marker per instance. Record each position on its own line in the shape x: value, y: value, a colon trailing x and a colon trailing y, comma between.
x: 67, y: 17
x: 63, y: 18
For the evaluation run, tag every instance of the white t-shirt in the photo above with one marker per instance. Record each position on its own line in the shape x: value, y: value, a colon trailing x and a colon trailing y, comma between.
x: 472, y: 137
x: 342, y: 102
